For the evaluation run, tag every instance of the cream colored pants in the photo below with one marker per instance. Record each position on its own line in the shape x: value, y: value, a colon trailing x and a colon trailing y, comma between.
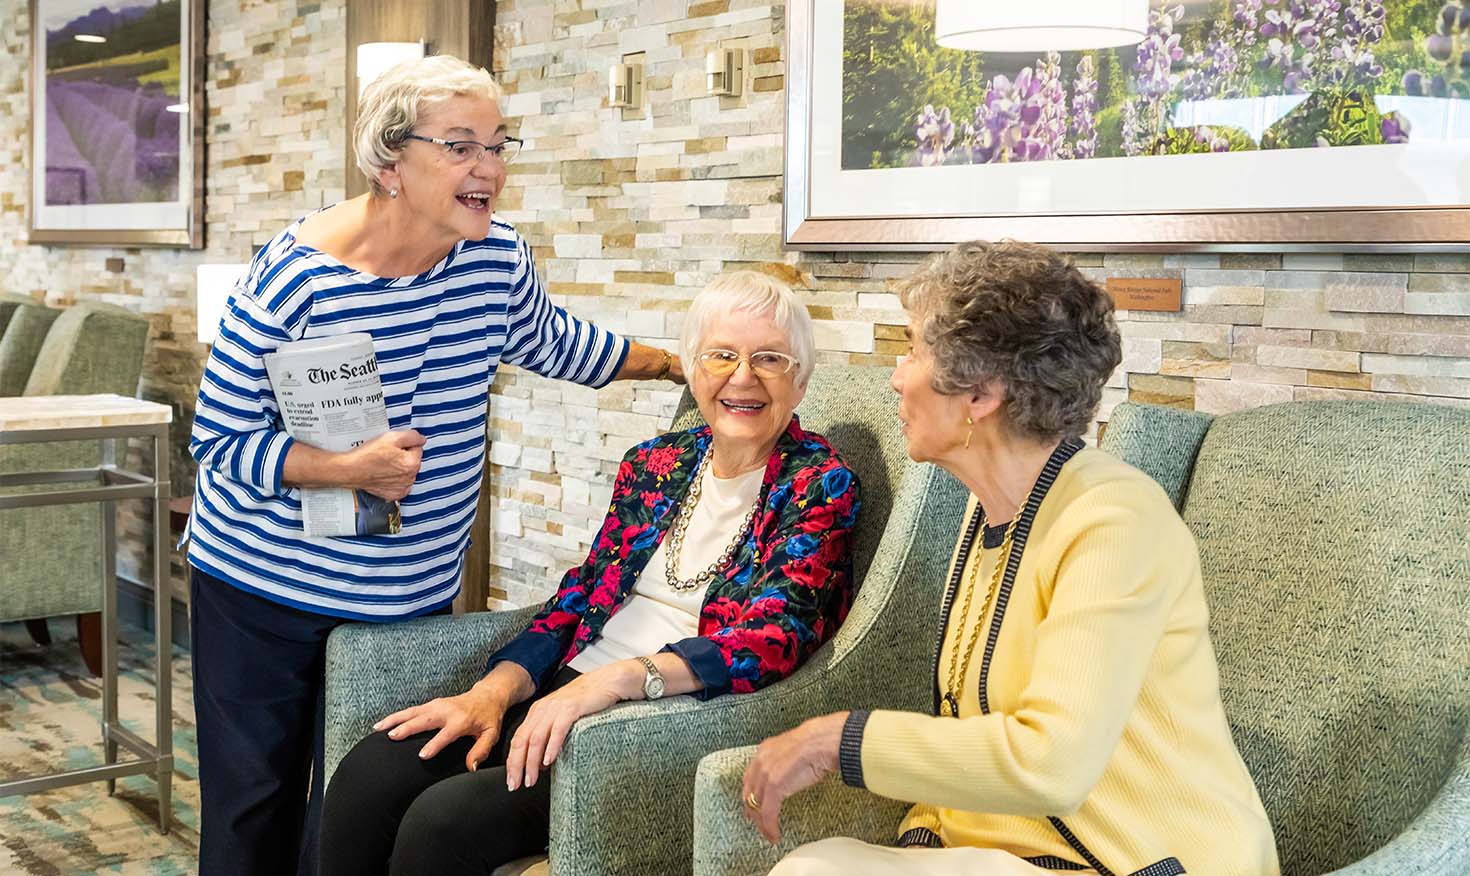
x: 841, y: 856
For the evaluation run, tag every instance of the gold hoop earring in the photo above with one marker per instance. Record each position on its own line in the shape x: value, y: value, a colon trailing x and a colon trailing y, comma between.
x: 970, y: 434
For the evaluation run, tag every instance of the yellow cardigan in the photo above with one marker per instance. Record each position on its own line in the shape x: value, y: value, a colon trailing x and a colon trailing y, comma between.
x: 1106, y: 744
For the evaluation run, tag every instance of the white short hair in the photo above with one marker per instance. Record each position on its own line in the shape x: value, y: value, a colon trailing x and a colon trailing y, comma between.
x: 756, y: 293
x: 390, y: 106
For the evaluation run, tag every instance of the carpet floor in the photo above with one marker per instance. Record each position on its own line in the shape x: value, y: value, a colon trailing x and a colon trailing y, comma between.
x: 50, y: 714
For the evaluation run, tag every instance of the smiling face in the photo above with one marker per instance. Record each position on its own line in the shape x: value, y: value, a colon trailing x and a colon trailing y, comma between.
x: 743, y: 409
x: 456, y: 197
x: 933, y: 423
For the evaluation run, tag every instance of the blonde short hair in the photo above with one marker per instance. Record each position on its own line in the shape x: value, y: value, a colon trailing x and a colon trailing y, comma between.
x: 390, y: 106
x: 754, y: 293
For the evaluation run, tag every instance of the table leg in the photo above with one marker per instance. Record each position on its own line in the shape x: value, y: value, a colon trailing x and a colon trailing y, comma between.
x: 162, y: 624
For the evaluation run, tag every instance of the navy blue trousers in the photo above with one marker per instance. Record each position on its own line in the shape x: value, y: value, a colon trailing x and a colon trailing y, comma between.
x: 258, y: 711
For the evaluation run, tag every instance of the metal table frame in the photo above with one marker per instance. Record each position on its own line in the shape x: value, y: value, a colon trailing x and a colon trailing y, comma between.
x: 115, y: 484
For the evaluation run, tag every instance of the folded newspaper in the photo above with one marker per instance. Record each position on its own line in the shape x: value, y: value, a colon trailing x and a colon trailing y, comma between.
x: 331, y: 398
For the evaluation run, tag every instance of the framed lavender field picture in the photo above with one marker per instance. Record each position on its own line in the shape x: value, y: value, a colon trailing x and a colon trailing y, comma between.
x: 1234, y: 125
x: 116, y: 150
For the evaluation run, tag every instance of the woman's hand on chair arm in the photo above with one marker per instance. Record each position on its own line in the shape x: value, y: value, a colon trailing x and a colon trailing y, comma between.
x: 541, y: 736
x: 478, y: 712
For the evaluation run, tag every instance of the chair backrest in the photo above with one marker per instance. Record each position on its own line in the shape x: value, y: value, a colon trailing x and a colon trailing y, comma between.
x: 91, y: 348
x: 9, y: 301
x: 24, y: 323
x: 1332, y: 537
x: 854, y: 408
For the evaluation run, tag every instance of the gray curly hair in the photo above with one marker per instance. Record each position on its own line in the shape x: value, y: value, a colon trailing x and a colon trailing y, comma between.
x: 390, y: 106
x: 1023, y: 315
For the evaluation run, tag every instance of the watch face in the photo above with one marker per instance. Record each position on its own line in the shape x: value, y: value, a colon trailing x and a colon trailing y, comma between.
x: 654, y: 688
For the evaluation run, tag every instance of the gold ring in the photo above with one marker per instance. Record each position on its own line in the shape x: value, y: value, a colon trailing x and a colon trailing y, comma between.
x: 752, y: 801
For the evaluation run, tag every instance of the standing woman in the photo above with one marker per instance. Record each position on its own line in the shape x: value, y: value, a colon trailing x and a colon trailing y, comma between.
x: 1077, y: 722
x: 447, y: 293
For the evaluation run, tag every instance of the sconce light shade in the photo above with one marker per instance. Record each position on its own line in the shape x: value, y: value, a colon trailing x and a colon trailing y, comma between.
x: 375, y: 59
x: 212, y: 287
x: 724, y: 72
x: 1062, y: 25
x: 625, y: 86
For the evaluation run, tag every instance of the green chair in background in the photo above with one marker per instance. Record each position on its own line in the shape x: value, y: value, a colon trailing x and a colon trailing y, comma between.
x: 24, y: 323
x: 51, y: 557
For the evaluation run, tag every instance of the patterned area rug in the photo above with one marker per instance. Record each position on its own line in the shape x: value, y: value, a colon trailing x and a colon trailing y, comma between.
x: 50, y: 714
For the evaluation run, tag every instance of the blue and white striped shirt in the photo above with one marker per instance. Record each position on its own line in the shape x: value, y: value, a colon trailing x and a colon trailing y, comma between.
x: 439, y: 337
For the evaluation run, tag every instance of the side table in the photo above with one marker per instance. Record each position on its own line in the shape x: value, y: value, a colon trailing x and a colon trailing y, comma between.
x: 36, y: 419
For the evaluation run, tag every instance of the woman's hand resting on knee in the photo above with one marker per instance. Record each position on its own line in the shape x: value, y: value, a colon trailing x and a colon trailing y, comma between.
x: 478, y: 712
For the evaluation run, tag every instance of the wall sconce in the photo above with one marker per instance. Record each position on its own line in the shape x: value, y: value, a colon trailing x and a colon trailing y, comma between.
x: 724, y: 72
x: 625, y: 86
x: 375, y: 59
x: 213, y: 285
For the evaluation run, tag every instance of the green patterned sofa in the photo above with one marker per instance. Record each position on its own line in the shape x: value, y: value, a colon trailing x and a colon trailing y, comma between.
x: 623, y: 788
x: 1334, y: 543
x: 51, y: 557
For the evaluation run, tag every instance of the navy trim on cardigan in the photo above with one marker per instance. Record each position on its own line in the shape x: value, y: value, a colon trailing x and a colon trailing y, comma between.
x: 850, y: 750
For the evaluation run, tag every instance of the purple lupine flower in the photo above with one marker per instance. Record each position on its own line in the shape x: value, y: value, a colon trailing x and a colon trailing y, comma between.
x: 1395, y: 129
x: 1051, y: 127
x: 1153, y: 78
x: 1132, y: 130
x: 1084, y: 109
x: 934, y: 132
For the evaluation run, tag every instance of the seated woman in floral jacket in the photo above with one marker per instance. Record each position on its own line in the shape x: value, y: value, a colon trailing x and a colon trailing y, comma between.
x: 723, y: 563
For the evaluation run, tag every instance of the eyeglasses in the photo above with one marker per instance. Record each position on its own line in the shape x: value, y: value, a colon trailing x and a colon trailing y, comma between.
x: 765, y: 363
x: 473, y: 151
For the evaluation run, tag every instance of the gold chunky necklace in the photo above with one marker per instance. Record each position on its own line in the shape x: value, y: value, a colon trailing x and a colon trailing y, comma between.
x: 949, y: 706
x: 681, y: 523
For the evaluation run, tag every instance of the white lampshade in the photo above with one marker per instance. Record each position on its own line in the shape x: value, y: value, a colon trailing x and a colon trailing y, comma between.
x: 212, y: 287
x: 1039, y: 25
x: 375, y: 59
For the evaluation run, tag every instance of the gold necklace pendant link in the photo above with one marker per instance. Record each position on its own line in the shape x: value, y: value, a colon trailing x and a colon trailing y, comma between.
x: 703, y: 578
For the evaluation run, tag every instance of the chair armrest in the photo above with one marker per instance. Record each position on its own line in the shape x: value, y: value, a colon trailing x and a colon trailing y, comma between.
x: 726, y: 844
x: 376, y: 669
x: 1436, y: 842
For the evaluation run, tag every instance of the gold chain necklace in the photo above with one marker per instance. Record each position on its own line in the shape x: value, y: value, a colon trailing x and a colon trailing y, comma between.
x: 681, y: 523
x: 949, y: 706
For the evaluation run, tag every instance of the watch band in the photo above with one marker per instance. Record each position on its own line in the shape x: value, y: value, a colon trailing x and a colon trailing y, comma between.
x: 653, y: 680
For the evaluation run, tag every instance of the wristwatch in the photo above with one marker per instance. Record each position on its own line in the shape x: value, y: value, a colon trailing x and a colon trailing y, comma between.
x: 653, y: 680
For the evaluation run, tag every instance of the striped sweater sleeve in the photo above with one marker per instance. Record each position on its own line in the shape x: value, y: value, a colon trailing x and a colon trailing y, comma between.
x: 237, y: 431
x: 546, y: 339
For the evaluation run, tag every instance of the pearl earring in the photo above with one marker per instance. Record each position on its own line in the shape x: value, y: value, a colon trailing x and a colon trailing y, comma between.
x: 392, y: 193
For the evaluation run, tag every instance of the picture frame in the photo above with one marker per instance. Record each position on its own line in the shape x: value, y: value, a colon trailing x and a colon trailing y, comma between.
x: 1399, y: 187
x: 116, y: 145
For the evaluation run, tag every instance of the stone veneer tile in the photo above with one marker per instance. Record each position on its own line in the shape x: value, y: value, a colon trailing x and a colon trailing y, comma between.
x: 1307, y: 357
x: 1226, y: 396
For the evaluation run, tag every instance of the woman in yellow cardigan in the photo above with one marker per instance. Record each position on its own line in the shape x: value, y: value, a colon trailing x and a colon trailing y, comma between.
x: 1077, y: 723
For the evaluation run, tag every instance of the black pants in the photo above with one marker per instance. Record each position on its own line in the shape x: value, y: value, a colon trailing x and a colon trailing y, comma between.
x: 258, y: 710
x: 388, y: 811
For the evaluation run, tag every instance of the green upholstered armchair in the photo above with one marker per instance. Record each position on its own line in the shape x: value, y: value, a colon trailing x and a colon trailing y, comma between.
x: 623, y: 787
x: 1336, y: 563
x: 24, y: 323
x: 51, y: 557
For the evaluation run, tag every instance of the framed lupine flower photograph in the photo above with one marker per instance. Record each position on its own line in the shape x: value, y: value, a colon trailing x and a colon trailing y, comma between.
x: 116, y: 139
x: 1231, y: 125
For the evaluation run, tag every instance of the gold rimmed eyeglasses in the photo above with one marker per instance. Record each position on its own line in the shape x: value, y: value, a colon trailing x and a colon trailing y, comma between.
x: 765, y: 363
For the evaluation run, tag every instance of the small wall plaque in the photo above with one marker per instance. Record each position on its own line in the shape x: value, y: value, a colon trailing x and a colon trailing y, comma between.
x: 1144, y: 293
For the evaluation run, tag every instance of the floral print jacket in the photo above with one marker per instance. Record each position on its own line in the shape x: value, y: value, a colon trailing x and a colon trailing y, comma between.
x: 784, y: 593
